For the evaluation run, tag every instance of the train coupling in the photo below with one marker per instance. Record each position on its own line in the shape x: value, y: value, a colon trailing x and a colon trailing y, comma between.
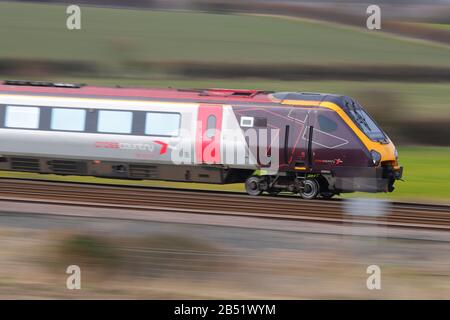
x: 397, y: 173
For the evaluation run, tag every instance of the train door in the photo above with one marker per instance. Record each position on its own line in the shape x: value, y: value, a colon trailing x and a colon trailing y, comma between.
x: 209, y: 126
x: 331, y: 139
x: 298, y: 139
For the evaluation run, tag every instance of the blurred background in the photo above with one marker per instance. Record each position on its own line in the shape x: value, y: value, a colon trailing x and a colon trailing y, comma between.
x: 400, y: 73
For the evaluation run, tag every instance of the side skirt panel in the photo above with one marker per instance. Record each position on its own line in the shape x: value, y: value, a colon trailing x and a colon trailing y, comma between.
x: 122, y: 170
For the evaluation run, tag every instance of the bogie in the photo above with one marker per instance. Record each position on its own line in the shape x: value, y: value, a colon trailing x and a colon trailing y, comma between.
x: 307, y: 187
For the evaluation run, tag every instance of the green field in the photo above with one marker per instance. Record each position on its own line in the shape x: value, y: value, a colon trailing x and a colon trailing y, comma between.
x: 426, y: 178
x: 427, y: 173
x: 113, y: 35
x: 442, y: 26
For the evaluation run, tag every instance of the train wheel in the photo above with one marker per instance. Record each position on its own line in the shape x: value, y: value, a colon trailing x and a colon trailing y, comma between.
x: 310, y: 189
x: 252, y: 186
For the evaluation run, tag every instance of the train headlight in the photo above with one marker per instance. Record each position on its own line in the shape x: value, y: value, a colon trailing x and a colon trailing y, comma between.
x: 376, y: 157
x: 396, y: 154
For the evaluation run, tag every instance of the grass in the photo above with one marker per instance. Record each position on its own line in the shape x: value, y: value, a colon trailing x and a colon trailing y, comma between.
x: 426, y: 178
x: 87, y: 249
x: 426, y: 175
x: 441, y: 26
x: 111, y: 35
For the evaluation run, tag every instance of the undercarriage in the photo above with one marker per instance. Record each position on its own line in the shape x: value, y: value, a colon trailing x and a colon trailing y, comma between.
x: 308, y: 186
x: 326, y: 185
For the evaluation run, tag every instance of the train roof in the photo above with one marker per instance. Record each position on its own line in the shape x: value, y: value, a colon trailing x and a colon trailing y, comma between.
x: 212, y: 95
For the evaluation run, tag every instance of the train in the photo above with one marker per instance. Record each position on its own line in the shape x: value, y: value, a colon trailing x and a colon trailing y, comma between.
x: 315, y: 145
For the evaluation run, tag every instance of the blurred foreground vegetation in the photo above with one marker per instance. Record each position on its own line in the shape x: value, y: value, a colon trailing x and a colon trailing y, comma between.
x: 138, y: 259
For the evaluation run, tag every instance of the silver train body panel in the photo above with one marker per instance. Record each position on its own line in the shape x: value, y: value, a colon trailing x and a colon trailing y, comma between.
x: 128, y: 148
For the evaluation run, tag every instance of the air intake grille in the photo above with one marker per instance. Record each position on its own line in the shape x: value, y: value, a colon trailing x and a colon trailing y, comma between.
x: 143, y: 171
x: 67, y: 167
x: 25, y: 164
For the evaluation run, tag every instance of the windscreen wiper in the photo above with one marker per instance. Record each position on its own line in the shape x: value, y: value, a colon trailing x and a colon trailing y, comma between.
x: 361, y: 120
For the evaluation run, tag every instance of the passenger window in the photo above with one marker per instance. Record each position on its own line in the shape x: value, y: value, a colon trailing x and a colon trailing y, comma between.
x: 326, y: 124
x: 162, y: 124
x: 68, y: 119
x: 211, y: 126
x: 114, y: 121
x: 22, y: 117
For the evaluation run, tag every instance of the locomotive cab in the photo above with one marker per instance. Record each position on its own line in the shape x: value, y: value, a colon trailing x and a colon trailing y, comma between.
x: 382, y: 152
x: 331, y: 146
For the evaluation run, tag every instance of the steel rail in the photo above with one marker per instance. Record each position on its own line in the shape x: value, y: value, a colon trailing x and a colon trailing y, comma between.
x: 405, y: 215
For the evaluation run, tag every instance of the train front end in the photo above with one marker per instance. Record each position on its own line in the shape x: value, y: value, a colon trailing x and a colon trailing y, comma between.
x: 383, y: 167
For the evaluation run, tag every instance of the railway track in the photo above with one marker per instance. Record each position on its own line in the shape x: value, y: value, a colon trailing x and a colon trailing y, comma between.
x: 405, y: 215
